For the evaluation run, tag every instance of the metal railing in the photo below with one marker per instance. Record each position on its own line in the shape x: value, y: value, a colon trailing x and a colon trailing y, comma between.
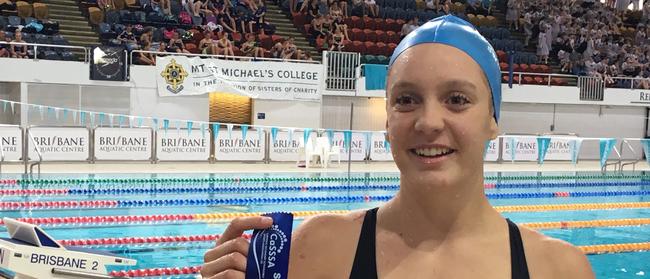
x: 2, y: 154
x: 626, y: 143
x: 38, y: 152
x: 217, y: 56
x: 86, y: 50
x: 591, y: 88
x: 341, y: 70
x: 615, y: 164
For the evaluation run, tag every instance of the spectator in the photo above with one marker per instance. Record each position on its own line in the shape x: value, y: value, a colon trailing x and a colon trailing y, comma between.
x: 336, y: 11
x: 127, y: 38
x: 146, y: 37
x: 512, y: 15
x: 227, y: 21
x: 106, y: 5
x: 317, y: 31
x: 371, y: 5
x: 276, y: 50
x: 146, y: 58
x: 445, y: 6
x: 207, y: 44
x: 4, y: 47
x: 251, y: 47
x: 542, y: 46
x: 339, y: 24
x: 225, y: 45
x: 259, y: 18
x: 337, y: 41
x: 289, y: 49
x: 312, y: 10
x: 407, y: 28
x: 528, y: 28
x: 431, y: 5
x: 18, y: 51
x: 176, y: 44
x: 358, y: 8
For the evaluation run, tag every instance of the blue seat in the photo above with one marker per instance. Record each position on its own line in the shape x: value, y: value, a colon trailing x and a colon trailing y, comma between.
x: 389, y: 12
x: 391, y: 3
x: 125, y: 16
x: 67, y: 56
x: 3, y: 22
x: 382, y: 12
x: 118, y: 28
x: 50, y: 55
x: 42, y: 39
x: 59, y: 40
x: 401, y: 14
x: 14, y: 21
x: 29, y: 38
x: 158, y: 34
x: 29, y: 20
x: 410, y: 14
x: 139, y: 16
x: 380, y: 3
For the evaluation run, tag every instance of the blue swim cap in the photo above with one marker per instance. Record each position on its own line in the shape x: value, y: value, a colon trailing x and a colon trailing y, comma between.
x: 455, y: 32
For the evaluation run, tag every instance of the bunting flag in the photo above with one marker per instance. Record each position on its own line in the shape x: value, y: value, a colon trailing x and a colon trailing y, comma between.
x: 330, y: 135
x: 229, y: 127
x: 386, y: 142
x: 291, y: 130
x: 189, y: 127
x: 50, y: 112
x: 140, y: 121
x: 65, y: 114
x: 542, y: 146
x: 347, y: 138
x: 120, y: 120
x: 215, y: 130
x: 274, y: 133
x: 646, y: 149
x: 74, y: 116
x: 4, y: 106
x: 177, y: 123
x: 82, y: 118
x: 305, y: 135
x: 41, y: 111
x: 606, y: 146
x: 368, y: 138
x: 91, y: 116
x: 131, y: 118
x: 244, y: 131
x: 165, y: 125
x: 260, y: 134
x: 110, y: 119
x: 575, y: 150
x: 511, y: 142
x: 12, y: 105
x: 203, y: 128
x: 101, y: 119
x: 154, y: 123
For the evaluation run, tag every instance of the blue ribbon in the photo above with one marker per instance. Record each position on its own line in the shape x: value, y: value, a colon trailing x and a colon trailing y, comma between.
x: 50, y: 111
x: 606, y: 146
x: 347, y: 138
x: 306, y: 134
x: 65, y: 114
x: 215, y: 130
x: 260, y: 133
x: 291, y: 135
x: 92, y: 119
x: 646, y: 149
x: 274, y: 133
x: 189, y: 127
x: 542, y: 146
x: 244, y: 131
x: 4, y: 106
x: 155, y: 123
x: 485, y: 149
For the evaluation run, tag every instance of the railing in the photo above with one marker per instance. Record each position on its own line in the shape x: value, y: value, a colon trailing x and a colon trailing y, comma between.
x: 626, y: 143
x: 36, y: 46
x: 616, y: 163
x: 591, y: 88
x: 2, y: 154
x: 38, y: 152
x: 341, y: 70
x: 241, y: 58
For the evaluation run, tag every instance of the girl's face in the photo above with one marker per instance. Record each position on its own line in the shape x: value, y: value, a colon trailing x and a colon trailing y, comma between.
x: 439, y: 114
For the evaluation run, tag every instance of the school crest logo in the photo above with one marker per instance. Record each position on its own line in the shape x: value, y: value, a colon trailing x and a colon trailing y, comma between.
x: 174, y: 75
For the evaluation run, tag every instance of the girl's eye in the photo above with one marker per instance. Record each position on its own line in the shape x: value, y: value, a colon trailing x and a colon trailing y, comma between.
x: 458, y: 100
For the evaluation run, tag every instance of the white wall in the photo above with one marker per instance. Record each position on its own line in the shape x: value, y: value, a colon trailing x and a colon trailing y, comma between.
x: 369, y: 113
x: 10, y: 91
x: 287, y: 114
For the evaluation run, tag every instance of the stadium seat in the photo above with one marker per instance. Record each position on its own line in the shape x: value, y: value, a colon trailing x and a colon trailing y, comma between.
x: 491, y: 21
x: 299, y: 19
x: 391, y: 25
x: 191, y: 47
x: 382, y: 49
x: 371, y: 59
x: 28, y: 38
x: 370, y: 35
x: 539, y: 80
x: 266, y: 41
x: 524, y: 68
x: 381, y: 59
x: 357, y: 34
x: 398, y: 26
x: 15, y: 21
x: 41, y: 11
x: 380, y: 24
x: 59, y: 40
x: 370, y: 47
x: 67, y: 56
x: 392, y: 37
x: 528, y: 80
x: 503, y: 66
x: 359, y: 46
x: 357, y: 22
x: 391, y: 48
x: 381, y: 36
x: 24, y: 9
x: 51, y: 55
x: 368, y: 23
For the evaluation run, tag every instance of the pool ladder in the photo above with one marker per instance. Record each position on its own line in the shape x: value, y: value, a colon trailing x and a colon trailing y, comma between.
x: 37, y: 163
x: 620, y: 164
x: 2, y: 154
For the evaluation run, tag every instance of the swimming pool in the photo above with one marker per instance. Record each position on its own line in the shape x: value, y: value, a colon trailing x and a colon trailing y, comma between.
x: 167, y: 221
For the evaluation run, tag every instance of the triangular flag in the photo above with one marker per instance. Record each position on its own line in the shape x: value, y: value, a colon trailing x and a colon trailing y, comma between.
x: 575, y: 150
x: 330, y: 135
x: 606, y: 146
x: 101, y: 118
x: 110, y: 119
x: 274, y: 133
x: 92, y: 119
x: 189, y: 127
x: 65, y: 114
x: 305, y: 135
x: 154, y: 123
x: 203, y: 128
x: 131, y: 118
x: 368, y: 138
x: 120, y: 120
x: 512, y: 143
x: 260, y: 134
x: 386, y: 142
x: 215, y: 130
x: 646, y: 149
x: 291, y: 130
x: 178, y: 127
x: 12, y: 105
x: 347, y: 138
x: 140, y: 121
x: 4, y: 106
x: 82, y: 118
x: 165, y: 125
x: 74, y: 116
x: 244, y: 131
x: 41, y: 111
x: 229, y: 126
x: 50, y: 112
x: 542, y: 146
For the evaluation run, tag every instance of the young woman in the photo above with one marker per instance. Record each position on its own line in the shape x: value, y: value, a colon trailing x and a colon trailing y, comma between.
x: 208, y: 45
x: 225, y: 45
x: 337, y: 41
x: 251, y: 48
x: 443, y: 101
x: 18, y: 51
x: 146, y: 58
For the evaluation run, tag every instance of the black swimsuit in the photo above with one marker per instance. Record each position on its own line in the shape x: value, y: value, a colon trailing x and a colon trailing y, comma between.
x: 365, y: 266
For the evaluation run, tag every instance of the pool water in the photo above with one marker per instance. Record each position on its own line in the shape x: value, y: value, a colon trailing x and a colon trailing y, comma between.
x: 136, y: 194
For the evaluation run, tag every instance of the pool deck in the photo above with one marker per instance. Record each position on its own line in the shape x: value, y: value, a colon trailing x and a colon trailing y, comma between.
x: 275, y: 167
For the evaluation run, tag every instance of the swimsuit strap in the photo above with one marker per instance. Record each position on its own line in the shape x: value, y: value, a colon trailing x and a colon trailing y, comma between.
x: 365, y: 265
x: 518, y: 265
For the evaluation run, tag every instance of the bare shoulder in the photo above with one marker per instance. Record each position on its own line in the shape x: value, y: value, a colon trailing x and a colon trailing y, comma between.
x: 548, y: 257
x: 328, y: 238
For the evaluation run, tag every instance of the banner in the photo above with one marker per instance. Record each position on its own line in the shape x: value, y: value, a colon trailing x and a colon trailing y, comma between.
x: 11, y: 138
x: 123, y: 143
x: 559, y: 149
x: 606, y: 146
x: 181, y: 145
x: 379, y: 151
x: 184, y: 76
x: 492, y: 152
x: 357, y: 144
x: 107, y: 63
x: 283, y: 149
x: 60, y: 144
x: 234, y: 148
x: 525, y: 148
